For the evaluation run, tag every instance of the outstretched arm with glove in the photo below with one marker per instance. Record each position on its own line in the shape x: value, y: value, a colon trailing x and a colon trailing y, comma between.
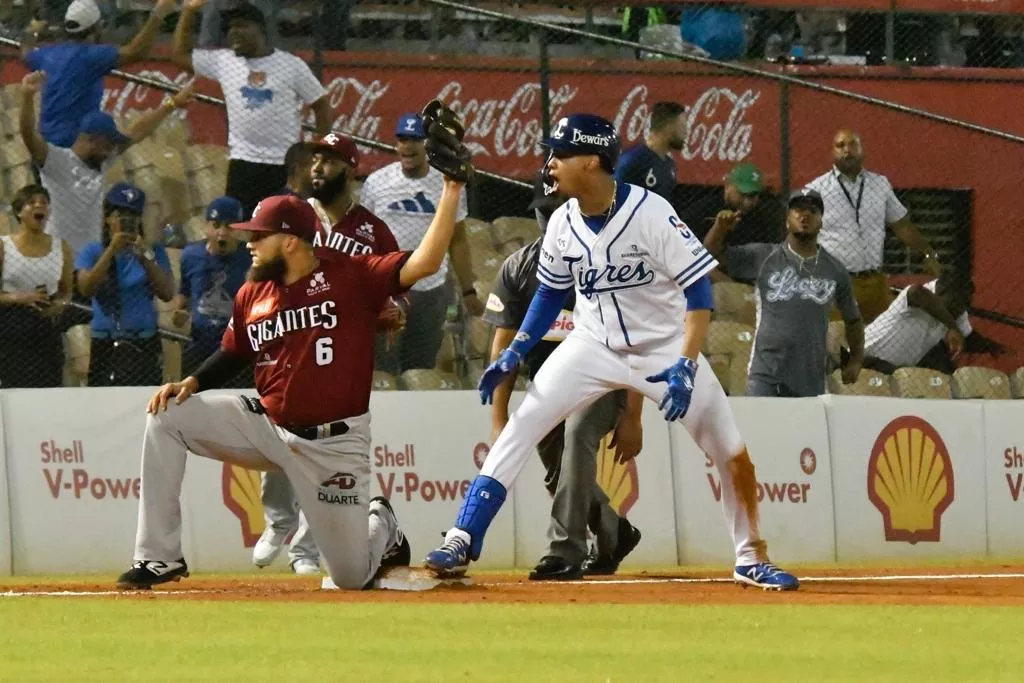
x: 544, y: 309
x: 681, y: 376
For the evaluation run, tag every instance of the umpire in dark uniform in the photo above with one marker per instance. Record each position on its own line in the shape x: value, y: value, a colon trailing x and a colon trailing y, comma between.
x: 569, y: 452
x: 650, y: 164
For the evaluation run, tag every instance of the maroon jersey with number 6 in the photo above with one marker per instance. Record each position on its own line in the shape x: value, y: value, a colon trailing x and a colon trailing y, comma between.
x: 312, y: 342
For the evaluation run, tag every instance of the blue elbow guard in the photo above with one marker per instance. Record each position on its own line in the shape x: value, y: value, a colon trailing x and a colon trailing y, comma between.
x: 483, y: 500
x: 698, y: 295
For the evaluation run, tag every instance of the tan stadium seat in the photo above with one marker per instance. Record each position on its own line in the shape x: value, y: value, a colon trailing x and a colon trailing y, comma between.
x: 474, y: 368
x: 480, y: 235
x: 513, y: 229
x: 384, y: 381
x: 172, y: 359
x: 869, y: 383
x: 140, y: 155
x: 77, y: 343
x: 734, y: 301
x: 487, y: 265
x: 729, y: 338
x: 446, y: 354
x: 1017, y: 383
x: 174, y: 131
x: 720, y: 366
x: 429, y: 380
x: 7, y: 223
x: 195, y: 228
x: 978, y: 382
x: 14, y: 153
x: 207, y: 184
x: 116, y: 173
x: 9, y: 126
x: 835, y: 339
x: 478, y: 338
x: 738, y: 375
x: 920, y: 383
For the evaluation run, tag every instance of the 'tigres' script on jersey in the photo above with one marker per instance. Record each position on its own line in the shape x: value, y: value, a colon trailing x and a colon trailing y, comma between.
x: 291, y: 320
x: 343, y: 243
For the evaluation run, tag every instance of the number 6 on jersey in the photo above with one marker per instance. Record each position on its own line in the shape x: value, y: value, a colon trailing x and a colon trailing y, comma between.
x: 324, y: 351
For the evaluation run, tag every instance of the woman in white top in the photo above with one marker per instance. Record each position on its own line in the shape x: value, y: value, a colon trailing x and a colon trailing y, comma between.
x: 35, y: 284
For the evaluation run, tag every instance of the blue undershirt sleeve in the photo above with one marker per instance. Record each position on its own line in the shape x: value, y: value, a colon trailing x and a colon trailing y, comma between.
x: 544, y: 309
x: 698, y: 295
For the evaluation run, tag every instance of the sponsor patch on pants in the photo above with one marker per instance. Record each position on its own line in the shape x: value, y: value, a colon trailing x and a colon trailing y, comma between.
x: 336, y: 489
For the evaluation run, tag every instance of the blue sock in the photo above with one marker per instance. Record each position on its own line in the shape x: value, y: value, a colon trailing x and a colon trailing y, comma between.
x: 483, y: 500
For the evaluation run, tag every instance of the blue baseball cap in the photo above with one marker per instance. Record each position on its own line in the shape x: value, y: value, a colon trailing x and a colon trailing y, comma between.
x: 225, y: 209
x: 102, y: 123
x: 410, y: 126
x: 126, y: 196
x: 581, y: 134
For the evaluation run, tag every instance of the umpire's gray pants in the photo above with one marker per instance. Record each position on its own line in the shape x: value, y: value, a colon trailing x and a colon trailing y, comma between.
x: 569, y: 453
x: 283, y: 515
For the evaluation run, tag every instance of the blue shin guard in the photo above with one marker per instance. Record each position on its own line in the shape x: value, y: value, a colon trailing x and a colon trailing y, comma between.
x: 483, y: 500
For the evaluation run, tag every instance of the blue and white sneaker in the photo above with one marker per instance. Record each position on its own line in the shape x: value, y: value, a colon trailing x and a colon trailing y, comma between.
x: 450, y: 560
x: 765, y: 575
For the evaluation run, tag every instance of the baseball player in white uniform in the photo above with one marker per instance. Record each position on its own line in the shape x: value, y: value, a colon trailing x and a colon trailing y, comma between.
x: 643, y: 306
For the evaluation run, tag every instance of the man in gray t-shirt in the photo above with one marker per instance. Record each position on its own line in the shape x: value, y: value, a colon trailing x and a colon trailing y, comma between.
x: 797, y: 283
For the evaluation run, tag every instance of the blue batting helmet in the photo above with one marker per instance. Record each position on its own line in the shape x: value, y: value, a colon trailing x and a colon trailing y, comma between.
x: 586, y: 134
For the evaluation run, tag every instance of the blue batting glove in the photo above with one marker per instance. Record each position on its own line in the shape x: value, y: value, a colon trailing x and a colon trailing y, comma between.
x: 496, y: 373
x: 679, y: 377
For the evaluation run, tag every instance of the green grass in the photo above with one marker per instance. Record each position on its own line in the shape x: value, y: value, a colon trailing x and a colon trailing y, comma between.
x: 56, y: 639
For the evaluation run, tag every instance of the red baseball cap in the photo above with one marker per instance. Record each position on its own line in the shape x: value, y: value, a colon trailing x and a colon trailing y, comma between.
x: 339, y: 145
x: 286, y: 214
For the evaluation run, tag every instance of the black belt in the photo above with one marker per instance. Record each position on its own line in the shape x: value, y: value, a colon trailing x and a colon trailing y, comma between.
x: 324, y: 431
x: 865, y: 273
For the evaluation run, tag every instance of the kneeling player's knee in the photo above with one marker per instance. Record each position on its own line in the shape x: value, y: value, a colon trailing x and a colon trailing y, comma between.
x: 348, y: 580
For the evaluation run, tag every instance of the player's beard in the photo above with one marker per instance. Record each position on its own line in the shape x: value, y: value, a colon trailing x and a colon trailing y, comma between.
x: 676, y: 142
x: 269, y: 270
x: 331, y: 189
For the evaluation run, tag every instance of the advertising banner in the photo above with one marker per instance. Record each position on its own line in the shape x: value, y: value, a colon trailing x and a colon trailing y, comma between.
x: 908, y: 477
x: 640, y: 491
x: 788, y: 444
x: 1004, y: 463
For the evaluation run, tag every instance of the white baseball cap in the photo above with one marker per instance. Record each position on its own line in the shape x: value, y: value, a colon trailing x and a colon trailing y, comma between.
x: 81, y: 16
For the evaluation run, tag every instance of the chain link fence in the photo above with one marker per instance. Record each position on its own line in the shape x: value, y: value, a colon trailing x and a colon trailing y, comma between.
x: 746, y: 139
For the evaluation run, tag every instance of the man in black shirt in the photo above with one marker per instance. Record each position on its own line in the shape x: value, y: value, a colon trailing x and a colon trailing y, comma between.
x: 747, y: 213
x: 650, y: 163
x: 569, y: 452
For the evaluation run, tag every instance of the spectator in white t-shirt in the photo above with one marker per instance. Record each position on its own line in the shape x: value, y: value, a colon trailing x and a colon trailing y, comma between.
x: 264, y: 89
x: 910, y: 331
x: 74, y: 175
x: 404, y: 194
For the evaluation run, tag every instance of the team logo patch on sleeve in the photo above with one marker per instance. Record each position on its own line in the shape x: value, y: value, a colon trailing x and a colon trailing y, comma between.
x: 495, y: 304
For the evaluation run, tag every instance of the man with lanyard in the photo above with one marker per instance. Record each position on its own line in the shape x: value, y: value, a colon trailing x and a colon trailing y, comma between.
x: 859, y: 205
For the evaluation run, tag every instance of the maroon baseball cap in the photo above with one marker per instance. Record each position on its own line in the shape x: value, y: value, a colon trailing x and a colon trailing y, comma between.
x: 339, y: 145
x: 286, y: 214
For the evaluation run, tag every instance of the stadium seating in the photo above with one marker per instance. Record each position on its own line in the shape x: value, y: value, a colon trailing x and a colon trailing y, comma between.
x: 77, y: 343
x: 835, y: 339
x: 478, y: 338
x: 734, y: 301
x: 978, y: 382
x: 480, y: 235
x: 920, y: 383
x: 720, y: 366
x: 1017, y: 383
x: 513, y: 231
x: 869, y: 383
x: 429, y: 380
x: 384, y: 381
x: 732, y: 341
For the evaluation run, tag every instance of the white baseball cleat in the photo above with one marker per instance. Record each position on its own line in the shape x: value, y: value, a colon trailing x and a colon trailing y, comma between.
x: 267, y: 548
x: 306, y: 568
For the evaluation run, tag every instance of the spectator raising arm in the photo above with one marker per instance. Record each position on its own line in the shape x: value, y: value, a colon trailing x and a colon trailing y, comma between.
x: 322, y: 114
x: 30, y: 86
x: 90, y: 279
x: 145, y: 125
x: 142, y: 43
x: 462, y: 262
x: 911, y: 236
x: 181, y: 49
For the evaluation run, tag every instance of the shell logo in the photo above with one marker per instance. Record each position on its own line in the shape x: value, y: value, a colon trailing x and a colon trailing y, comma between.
x: 241, y: 489
x: 620, y: 482
x: 910, y: 480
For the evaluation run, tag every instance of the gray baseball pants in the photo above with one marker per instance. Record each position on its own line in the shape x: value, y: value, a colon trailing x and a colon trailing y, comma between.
x: 283, y: 515
x: 331, y: 478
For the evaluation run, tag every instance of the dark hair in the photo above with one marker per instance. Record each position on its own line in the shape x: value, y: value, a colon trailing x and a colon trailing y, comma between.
x: 25, y: 195
x: 664, y: 113
x: 298, y: 155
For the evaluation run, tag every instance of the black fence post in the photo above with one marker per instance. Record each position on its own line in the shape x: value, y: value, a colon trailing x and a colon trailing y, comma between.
x: 545, y: 86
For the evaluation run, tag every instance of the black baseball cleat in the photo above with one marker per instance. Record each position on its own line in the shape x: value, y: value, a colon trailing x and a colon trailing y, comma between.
x: 599, y: 564
x: 398, y: 554
x: 145, y: 574
x: 554, y: 568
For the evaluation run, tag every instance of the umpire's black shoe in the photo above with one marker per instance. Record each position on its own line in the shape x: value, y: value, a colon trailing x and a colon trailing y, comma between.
x: 398, y: 554
x: 599, y: 564
x: 554, y: 568
x: 145, y: 574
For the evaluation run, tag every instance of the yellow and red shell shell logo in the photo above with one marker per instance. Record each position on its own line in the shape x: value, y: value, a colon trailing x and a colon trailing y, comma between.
x: 241, y: 489
x: 910, y: 480
x: 620, y: 482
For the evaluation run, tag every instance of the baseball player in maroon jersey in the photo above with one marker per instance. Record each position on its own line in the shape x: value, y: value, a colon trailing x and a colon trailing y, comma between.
x: 346, y: 226
x: 307, y: 320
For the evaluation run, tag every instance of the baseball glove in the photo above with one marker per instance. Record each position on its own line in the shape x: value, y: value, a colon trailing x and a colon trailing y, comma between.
x: 445, y: 150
